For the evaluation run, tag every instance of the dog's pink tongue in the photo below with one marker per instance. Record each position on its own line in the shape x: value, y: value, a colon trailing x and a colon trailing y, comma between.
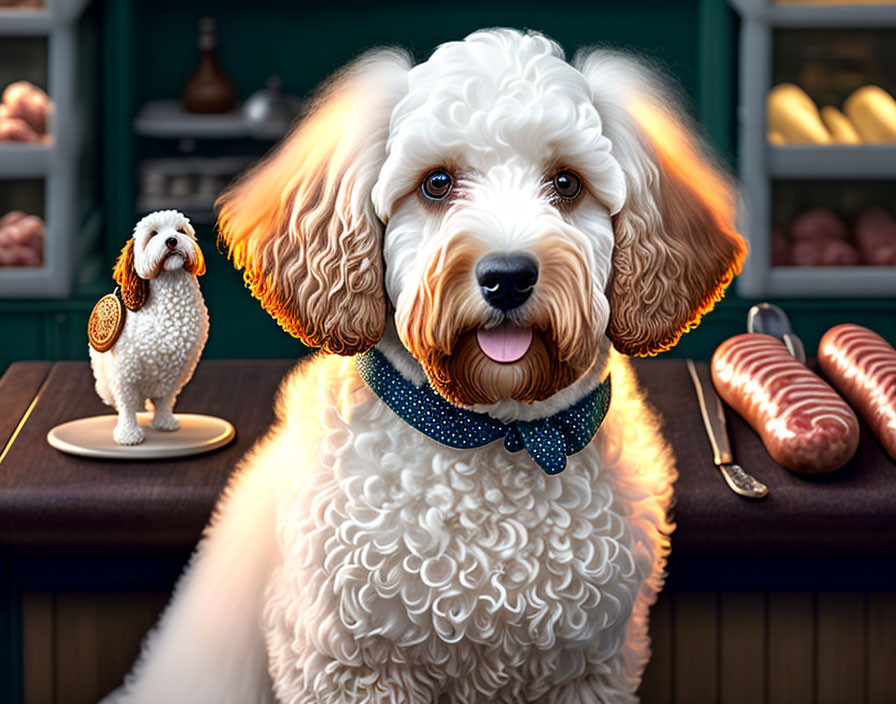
x: 505, y: 343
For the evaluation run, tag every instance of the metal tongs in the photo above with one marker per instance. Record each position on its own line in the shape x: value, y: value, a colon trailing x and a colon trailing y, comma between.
x: 769, y: 319
x: 740, y: 481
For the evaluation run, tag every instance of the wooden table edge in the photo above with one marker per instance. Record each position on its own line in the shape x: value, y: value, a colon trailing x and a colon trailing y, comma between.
x: 20, y: 387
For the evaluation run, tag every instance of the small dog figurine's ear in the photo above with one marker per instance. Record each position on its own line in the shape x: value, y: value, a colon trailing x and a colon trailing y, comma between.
x: 301, y: 223
x: 676, y: 246
x: 196, y: 266
x: 134, y: 290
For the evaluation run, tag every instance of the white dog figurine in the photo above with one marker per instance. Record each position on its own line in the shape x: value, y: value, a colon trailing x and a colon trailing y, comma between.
x: 165, y: 328
x: 480, y: 230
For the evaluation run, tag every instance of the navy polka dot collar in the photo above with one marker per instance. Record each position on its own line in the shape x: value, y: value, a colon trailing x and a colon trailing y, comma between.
x: 549, y: 441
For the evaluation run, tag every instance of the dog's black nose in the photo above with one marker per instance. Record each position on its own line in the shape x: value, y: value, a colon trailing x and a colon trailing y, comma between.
x: 171, y: 242
x: 506, y: 280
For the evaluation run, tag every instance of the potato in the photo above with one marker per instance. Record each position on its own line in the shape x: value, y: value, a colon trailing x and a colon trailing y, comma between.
x: 13, y: 129
x: 29, y: 103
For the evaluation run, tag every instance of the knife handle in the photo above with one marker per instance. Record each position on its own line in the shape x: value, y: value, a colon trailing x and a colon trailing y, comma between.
x: 713, y: 417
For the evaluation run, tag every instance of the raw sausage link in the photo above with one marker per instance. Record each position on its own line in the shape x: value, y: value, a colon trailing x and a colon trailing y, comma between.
x: 803, y: 422
x: 862, y: 365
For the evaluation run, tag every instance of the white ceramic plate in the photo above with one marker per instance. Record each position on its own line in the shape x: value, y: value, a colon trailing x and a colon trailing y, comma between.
x: 92, y: 437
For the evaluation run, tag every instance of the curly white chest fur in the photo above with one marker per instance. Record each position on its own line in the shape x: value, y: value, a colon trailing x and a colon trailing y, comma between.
x: 352, y: 559
x: 492, y: 579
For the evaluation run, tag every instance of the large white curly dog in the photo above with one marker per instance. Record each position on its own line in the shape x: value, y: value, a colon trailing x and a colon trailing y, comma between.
x: 493, y: 221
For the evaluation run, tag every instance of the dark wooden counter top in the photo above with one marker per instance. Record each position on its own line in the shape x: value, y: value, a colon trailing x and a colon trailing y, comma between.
x: 51, y: 499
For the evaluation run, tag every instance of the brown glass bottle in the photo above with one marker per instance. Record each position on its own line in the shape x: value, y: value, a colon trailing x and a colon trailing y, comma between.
x: 208, y: 90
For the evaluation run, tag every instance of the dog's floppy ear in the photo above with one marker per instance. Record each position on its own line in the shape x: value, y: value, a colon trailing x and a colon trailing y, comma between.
x: 196, y: 263
x: 196, y: 266
x: 676, y: 246
x: 301, y: 223
x: 134, y: 290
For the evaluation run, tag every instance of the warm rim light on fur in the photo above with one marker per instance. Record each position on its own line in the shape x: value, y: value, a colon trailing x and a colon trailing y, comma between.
x: 196, y: 266
x: 676, y: 244
x: 301, y: 223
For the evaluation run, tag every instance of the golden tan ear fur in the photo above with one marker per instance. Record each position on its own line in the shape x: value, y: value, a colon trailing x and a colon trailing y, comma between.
x: 301, y: 225
x: 134, y: 290
x: 676, y: 245
x: 196, y: 265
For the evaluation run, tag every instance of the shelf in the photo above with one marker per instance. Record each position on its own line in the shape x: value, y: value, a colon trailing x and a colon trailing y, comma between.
x: 40, y: 22
x: 167, y: 119
x: 24, y: 273
x: 24, y: 159
x: 805, y: 16
x: 25, y: 23
x: 835, y: 161
x: 833, y: 16
x: 840, y: 281
x: 200, y: 209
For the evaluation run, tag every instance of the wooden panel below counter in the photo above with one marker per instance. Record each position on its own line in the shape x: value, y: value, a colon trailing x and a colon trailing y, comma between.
x: 708, y: 647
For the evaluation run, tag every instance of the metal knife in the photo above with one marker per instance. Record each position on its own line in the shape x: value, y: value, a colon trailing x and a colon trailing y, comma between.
x: 740, y: 481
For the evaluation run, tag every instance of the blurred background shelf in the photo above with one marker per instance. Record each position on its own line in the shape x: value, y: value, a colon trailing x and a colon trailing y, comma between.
x: 200, y: 210
x: 43, y: 46
x: 807, y: 15
x: 25, y: 160
x: 834, y: 161
x: 851, y: 281
x: 846, y: 16
x: 167, y: 119
x: 40, y: 20
x: 25, y: 22
x: 799, y: 198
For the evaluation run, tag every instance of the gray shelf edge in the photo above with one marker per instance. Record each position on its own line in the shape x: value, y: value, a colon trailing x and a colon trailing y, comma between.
x: 832, y: 16
x: 844, y: 282
x: 186, y: 126
x: 832, y: 162
x: 27, y: 161
x: 806, y: 16
x: 15, y: 23
x: 40, y: 22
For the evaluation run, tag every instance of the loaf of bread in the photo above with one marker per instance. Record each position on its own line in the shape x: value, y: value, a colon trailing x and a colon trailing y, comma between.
x: 792, y: 114
x: 873, y: 111
x: 838, y: 124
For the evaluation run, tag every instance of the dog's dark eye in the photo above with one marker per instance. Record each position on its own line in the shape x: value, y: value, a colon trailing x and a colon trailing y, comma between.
x: 436, y: 185
x: 567, y: 184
